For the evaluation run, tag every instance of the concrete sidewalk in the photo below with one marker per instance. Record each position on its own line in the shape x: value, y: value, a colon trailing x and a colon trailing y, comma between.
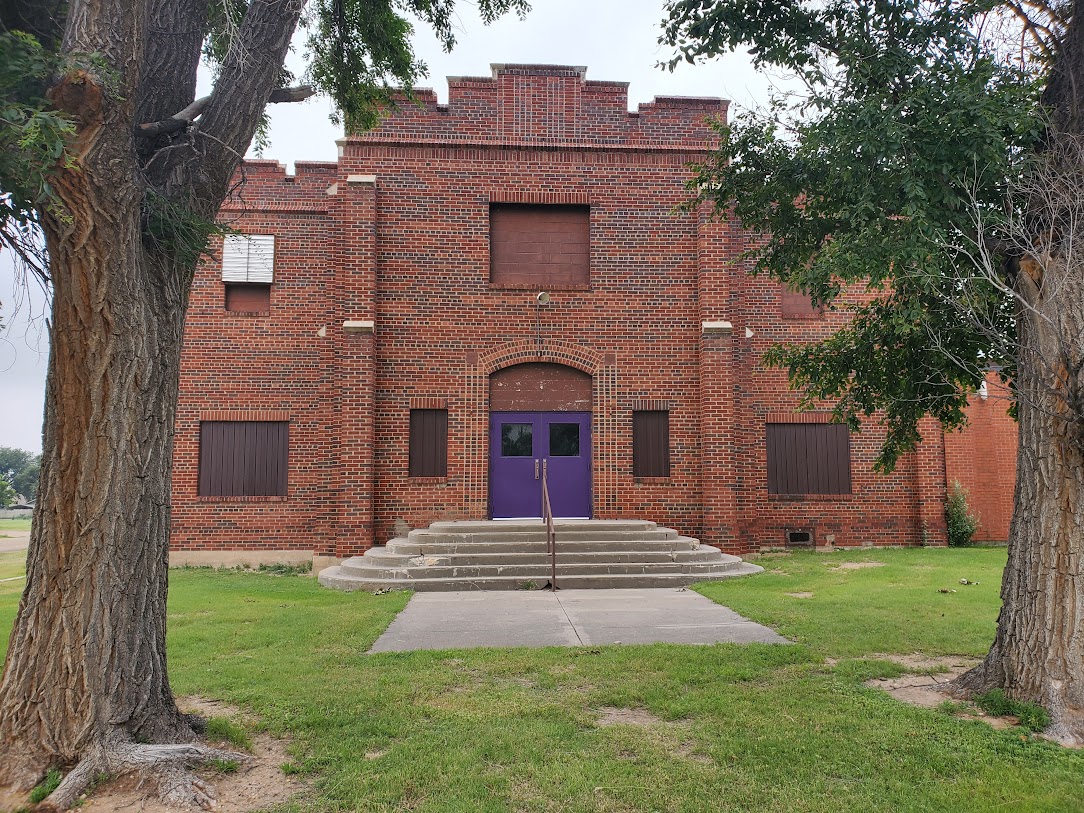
x: 461, y: 620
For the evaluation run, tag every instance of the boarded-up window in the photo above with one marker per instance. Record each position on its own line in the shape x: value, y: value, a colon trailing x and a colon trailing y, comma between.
x: 244, y: 297
x: 809, y: 458
x: 798, y: 305
x: 537, y: 247
x: 651, y: 443
x: 428, y: 443
x: 248, y: 258
x: 243, y: 458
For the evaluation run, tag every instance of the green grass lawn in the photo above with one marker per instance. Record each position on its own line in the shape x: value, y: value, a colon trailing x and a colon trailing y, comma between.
x: 18, y: 524
x: 739, y: 728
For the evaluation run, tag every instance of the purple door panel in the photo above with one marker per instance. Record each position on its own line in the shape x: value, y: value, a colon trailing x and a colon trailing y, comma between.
x: 522, y: 445
x: 566, y: 456
x: 515, y: 468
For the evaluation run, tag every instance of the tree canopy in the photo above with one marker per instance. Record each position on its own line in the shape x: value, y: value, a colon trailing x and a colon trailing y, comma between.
x: 890, y: 169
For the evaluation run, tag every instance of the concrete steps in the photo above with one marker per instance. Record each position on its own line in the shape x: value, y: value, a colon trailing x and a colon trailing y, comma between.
x: 511, y: 555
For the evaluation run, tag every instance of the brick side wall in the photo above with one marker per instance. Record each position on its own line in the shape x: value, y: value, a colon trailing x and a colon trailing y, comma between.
x: 983, y: 459
x: 396, y: 235
x: 252, y: 363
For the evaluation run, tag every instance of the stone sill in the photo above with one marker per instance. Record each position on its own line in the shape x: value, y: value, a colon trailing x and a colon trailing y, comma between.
x: 427, y: 481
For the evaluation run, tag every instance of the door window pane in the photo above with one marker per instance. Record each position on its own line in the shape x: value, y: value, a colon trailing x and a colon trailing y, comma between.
x: 517, y: 440
x: 564, y: 440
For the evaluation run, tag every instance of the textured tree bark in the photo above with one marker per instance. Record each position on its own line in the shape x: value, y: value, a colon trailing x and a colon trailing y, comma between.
x: 87, y: 658
x: 85, y: 676
x: 1038, y: 652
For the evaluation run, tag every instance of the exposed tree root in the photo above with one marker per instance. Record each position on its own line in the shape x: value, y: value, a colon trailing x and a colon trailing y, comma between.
x: 168, y: 764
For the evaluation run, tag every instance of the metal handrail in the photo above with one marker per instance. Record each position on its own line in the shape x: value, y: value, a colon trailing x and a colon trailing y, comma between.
x: 551, y: 534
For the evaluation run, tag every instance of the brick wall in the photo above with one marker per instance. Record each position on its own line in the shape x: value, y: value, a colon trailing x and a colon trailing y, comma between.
x: 983, y: 459
x: 396, y: 236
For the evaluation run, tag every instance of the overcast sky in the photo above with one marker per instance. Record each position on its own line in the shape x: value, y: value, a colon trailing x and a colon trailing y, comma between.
x: 615, y: 39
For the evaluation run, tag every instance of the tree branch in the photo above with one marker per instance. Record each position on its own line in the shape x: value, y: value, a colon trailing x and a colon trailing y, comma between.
x: 182, y: 119
x: 246, y: 81
x: 175, y: 33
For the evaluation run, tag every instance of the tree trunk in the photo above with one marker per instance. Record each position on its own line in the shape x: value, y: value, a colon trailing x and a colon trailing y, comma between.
x: 84, y: 682
x: 86, y: 665
x: 1038, y: 653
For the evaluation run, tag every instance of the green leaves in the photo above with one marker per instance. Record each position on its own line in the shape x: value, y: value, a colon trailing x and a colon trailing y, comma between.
x: 360, y: 52
x: 32, y: 136
x: 885, y: 181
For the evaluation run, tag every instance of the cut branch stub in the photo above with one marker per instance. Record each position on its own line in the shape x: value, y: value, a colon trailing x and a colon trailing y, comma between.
x: 182, y: 119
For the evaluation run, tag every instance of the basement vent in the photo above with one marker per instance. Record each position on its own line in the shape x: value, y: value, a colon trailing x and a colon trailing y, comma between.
x: 798, y: 538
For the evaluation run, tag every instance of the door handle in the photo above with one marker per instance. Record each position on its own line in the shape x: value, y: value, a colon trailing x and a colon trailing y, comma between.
x: 545, y: 466
x: 536, y: 468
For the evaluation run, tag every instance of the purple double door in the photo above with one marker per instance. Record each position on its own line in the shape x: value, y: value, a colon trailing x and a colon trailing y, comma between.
x: 524, y: 444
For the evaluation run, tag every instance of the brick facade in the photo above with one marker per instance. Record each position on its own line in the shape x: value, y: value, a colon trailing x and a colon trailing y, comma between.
x: 382, y: 303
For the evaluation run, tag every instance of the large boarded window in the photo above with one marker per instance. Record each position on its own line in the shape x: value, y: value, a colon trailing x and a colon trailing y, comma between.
x: 651, y: 443
x: 809, y: 458
x: 539, y: 246
x: 428, y: 443
x: 796, y: 305
x: 243, y: 458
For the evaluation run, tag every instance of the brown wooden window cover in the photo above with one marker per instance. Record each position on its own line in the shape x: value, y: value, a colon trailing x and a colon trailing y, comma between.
x: 245, y: 297
x: 243, y: 458
x: 428, y: 443
x: 650, y: 443
x: 809, y: 458
x: 538, y: 246
x: 797, y: 304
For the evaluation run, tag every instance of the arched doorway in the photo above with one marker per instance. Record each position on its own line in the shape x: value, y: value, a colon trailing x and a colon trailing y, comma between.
x: 539, y: 422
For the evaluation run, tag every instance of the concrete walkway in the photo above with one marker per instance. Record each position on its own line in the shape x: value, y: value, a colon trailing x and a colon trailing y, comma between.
x: 462, y: 620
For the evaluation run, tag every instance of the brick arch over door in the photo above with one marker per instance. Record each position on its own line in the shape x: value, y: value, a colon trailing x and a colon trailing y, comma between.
x: 540, y: 387
x: 603, y: 371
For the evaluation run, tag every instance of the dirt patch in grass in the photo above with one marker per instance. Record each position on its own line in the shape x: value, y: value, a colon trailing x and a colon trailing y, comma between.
x: 611, y: 715
x: 258, y: 784
x: 857, y: 565
x: 928, y: 687
x: 799, y: 595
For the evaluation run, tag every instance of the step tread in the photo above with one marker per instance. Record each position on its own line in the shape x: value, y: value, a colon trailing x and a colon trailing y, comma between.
x: 330, y: 577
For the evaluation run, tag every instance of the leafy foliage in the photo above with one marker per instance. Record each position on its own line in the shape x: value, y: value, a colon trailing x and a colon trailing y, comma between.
x: 959, y: 520
x: 360, y: 50
x: 32, y: 141
x: 7, y: 493
x: 20, y: 469
x: 863, y: 201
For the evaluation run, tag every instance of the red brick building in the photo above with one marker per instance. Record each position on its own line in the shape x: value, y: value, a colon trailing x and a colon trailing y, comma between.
x: 377, y: 356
